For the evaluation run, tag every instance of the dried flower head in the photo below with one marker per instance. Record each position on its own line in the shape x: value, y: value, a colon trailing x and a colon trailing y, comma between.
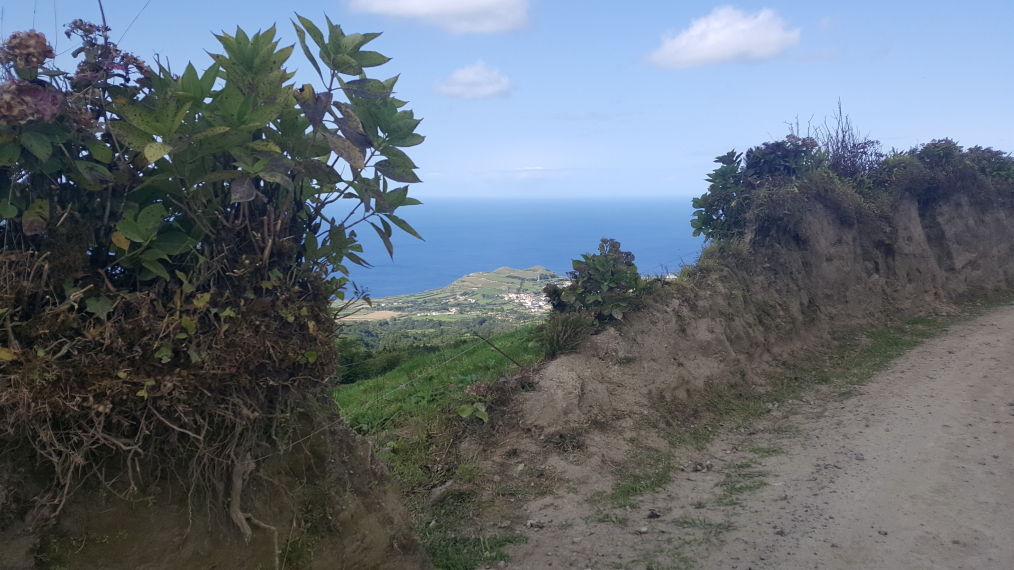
x: 26, y: 50
x: 83, y: 28
x: 21, y: 101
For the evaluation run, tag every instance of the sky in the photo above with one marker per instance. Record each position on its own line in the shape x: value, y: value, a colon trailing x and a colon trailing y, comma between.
x: 568, y: 99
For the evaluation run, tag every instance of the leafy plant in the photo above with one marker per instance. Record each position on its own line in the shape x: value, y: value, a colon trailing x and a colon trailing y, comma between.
x: 721, y: 212
x: 193, y: 228
x: 478, y: 409
x: 603, y: 284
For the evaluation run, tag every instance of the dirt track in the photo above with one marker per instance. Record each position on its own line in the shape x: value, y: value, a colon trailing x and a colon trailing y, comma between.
x: 916, y: 472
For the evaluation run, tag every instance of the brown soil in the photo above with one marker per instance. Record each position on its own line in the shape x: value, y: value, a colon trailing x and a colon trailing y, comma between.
x: 327, y: 497
x: 917, y: 471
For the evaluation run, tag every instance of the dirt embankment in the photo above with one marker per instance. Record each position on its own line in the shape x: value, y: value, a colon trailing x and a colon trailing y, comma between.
x: 324, y: 502
x: 818, y: 270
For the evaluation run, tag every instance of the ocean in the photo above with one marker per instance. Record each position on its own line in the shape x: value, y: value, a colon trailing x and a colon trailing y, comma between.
x: 469, y: 235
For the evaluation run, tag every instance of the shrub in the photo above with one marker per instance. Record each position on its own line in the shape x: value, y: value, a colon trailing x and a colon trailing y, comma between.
x: 602, y: 285
x: 721, y: 211
x: 171, y: 245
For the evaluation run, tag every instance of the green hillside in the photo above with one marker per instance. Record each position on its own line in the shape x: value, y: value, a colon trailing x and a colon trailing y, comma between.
x: 507, y: 295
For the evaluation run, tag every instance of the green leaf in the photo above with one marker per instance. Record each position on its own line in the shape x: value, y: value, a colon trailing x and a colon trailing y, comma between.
x: 397, y: 173
x: 152, y: 254
x: 151, y: 216
x: 99, y: 150
x: 403, y: 225
x: 465, y: 411
x: 188, y: 325
x: 37, y: 144
x: 8, y: 210
x: 397, y: 157
x: 100, y: 306
x: 306, y: 50
x: 129, y: 135
x: 156, y: 267
x: 405, y: 140
x: 346, y: 150
x: 141, y: 119
x: 209, y: 133
x: 133, y: 231
x: 482, y: 416
x: 93, y: 171
x: 310, y: 356
x: 369, y: 58
x: 173, y: 242
x: 9, y: 153
x: 156, y: 150
x: 384, y: 237
x: 190, y: 83
x: 35, y: 218
x: 315, y: 33
x: 345, y: 65
x: 365, y: 88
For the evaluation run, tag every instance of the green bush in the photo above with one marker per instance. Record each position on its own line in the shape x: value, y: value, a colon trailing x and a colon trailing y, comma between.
x: 721, y: 212
x: 171, y: 243
x: 603, y: 285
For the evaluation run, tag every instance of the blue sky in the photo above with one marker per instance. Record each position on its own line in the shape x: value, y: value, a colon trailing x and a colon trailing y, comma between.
x: 568, y: 99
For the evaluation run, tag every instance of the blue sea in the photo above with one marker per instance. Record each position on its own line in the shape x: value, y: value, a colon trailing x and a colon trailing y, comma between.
x: 464, y: 236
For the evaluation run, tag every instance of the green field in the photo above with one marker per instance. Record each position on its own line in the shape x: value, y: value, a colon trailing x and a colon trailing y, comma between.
x: 475, y: 294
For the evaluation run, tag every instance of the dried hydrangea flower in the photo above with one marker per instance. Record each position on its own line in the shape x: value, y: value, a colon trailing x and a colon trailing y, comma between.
x: 26, y: 50
x: 22, y: 101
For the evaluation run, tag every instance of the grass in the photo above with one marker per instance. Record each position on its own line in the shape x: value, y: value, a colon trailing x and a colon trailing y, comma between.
x: 644, y: 471
x: 411, y: 415
x: 701, y: 523
x: 760, y: 451
x: 453, y: 552
x: 421, y: 388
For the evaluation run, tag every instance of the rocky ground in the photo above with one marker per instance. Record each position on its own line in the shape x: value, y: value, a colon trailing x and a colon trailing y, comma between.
x: 915, y: 471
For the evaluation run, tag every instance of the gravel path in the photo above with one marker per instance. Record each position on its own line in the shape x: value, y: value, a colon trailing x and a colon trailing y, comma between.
x: 916, y: 472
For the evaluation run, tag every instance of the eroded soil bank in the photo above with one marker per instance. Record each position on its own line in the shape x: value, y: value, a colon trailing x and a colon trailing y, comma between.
x: 916, y: 471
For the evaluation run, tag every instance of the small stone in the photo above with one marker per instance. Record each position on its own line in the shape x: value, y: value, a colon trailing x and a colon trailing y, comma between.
x: 643, y: 530
x: 859, y: 457
x: 780, y: 532
x: 882, y: 532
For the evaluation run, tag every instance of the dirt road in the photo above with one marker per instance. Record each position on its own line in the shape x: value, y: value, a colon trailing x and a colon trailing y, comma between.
x: 916, y: 472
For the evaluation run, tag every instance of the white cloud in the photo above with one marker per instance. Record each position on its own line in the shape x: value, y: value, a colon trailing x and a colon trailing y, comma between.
x: 726, y: 35
x: 459, y: 16
x: 477, y: 81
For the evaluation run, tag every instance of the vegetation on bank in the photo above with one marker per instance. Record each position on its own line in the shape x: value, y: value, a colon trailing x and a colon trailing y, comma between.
x: 167, y: 269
